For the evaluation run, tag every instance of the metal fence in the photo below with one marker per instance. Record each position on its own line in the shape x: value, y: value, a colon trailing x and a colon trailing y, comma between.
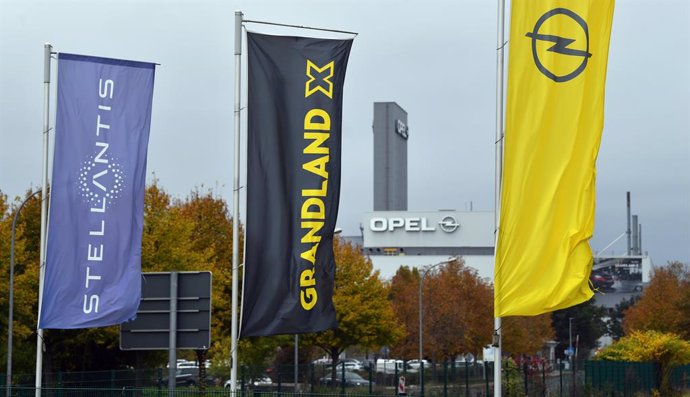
x: 591, y: 378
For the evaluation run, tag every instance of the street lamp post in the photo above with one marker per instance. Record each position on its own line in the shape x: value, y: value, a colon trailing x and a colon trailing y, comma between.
x: 422, y: 274
x: 570, y: 340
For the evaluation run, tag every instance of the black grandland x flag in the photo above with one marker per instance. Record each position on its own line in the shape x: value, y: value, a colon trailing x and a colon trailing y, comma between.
x: 293, y: 182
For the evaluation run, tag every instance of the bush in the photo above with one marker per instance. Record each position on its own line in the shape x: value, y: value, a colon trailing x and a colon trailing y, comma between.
x: 666, y: 350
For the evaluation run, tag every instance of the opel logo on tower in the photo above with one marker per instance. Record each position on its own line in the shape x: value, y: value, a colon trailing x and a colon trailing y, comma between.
x: 449, y: 224
x: 569, y: 62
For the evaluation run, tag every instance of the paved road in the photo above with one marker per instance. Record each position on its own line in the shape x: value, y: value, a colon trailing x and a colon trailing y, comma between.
x: 610, y: 298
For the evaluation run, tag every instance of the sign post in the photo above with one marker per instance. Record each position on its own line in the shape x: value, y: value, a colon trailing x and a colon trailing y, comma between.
x: 174, y: 313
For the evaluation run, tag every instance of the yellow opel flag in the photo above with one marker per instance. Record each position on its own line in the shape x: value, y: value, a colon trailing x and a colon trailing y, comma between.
x: 554, y: 119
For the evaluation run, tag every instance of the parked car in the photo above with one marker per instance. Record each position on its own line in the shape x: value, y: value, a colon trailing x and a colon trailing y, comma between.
x: 187, y: 376
x: 413, y: 365
x: 629, y: 286
x: 261, y: 380
x: 389, y: 366
x: 350, y: 365
x: 322, y: 361
x: 602, y: 280
x: 351, y: 379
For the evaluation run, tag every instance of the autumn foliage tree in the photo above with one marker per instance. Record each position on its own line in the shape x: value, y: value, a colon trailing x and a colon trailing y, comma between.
x: 405, y: 302
x: 5, y: 224
x: 457, y: 311
x: 211, y: 237
x: 167, y: 245
x: 526, y: 335
x: 459, y: 308
x: 178, y: 235
x: 661, y: 307
x: 25, y: 277
x: 365, y: 316
x: 684, y: 307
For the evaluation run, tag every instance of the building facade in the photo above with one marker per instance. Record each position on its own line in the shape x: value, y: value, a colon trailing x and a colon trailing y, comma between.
x: 390, y: 157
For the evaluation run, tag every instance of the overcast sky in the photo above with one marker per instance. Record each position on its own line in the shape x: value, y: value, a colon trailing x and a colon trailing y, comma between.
x: 435, y: 58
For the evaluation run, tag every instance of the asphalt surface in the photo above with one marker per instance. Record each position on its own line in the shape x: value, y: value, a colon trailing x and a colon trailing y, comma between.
x: 610, y: 297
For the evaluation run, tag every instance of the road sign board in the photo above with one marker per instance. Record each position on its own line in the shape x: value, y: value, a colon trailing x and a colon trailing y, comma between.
x: 151, y: 329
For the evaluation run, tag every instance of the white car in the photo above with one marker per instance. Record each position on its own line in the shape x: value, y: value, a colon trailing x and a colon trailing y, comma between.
x: 389, y: 366
x: 322, y: 361
x: 350, y: 365
x: 413, y: 365
x: 261, y: 380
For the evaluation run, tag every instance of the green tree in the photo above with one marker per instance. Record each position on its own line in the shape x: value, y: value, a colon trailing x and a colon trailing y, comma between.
x: 615, y: 323
x: 364, y: 314
x: 587, y: 326
x: 666, y: 350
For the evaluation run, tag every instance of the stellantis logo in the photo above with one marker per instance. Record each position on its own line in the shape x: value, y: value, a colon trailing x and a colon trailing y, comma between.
x: 101, y: 178
x: 413, y: 224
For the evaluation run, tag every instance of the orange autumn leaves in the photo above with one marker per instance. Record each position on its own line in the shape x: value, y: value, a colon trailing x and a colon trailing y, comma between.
x: 457, y: 315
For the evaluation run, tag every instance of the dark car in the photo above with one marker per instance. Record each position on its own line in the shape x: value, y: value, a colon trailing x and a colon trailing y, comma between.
x: 351, y: 379
x: 186, y: 376
x: 183, y: 377
x: 602, y: 280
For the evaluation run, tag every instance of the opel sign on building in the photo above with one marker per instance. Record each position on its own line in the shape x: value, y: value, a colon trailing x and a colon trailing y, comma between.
x: 419, y: 238
x: 406, y: 229
x: 412, y: 224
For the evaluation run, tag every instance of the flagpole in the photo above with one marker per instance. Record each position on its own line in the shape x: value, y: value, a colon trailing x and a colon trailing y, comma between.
x: 500, y: 45
x: 236, y: 203
x: 47, y: 51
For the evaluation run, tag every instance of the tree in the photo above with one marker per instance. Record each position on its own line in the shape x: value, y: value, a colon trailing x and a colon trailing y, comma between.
x: 526, y: 335
x: 167, y: 241
x: 458, y: 308
x: 457, y: 311
x: 26, y: 272
x: 364, y: 314
x: 587, y: 326
x: 684, y: 307
x: 615, y: 323
x: 211, y: 237
x: 666, y: 350
x: 405, y: 302
x: 5, y: 232
x: 167, y: 245
x: 659, y: 308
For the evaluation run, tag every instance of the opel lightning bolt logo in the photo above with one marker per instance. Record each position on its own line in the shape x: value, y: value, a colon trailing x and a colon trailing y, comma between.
x: 561, y: 45
x: 449, y: 224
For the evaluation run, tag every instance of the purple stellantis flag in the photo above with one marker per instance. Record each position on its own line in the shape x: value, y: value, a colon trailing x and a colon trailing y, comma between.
x: 93, y: 258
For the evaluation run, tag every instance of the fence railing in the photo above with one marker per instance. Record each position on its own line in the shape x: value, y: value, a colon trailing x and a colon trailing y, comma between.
x: 591, y: 378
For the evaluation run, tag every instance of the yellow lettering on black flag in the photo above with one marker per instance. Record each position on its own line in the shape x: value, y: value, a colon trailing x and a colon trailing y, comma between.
x: 554, y: 120
x: 294, y: 140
